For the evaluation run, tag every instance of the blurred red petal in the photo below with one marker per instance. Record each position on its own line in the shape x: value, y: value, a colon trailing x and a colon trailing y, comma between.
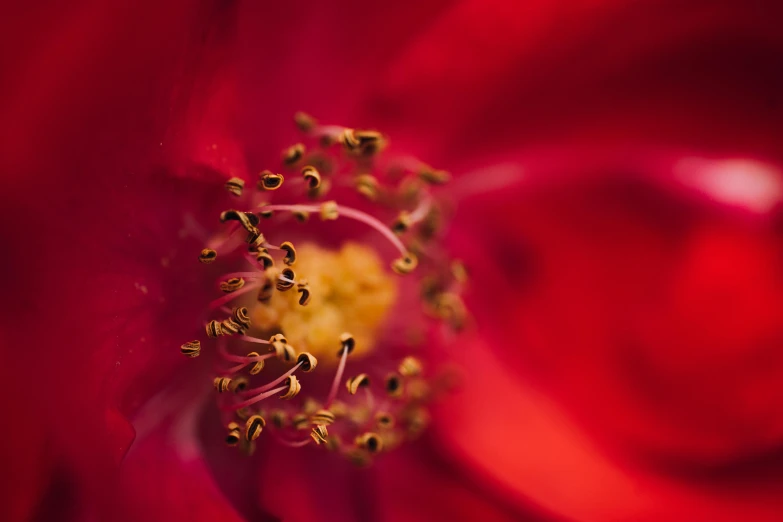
x: 164, y: 479
x: 523, y: 445
x: 490, y: 76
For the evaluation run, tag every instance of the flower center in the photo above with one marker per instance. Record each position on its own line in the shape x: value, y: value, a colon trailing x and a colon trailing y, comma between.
x: 350, y: 291
x: 296, y: 316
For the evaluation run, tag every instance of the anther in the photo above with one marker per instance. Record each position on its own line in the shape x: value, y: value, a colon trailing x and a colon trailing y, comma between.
x: 221, y: 384
x: 267, y: 287
x: 354, y: 383
x: 231, y: 327
x: 290, y: 253
x: 284, y: 352
x: 232, y: 439
x: 286, y: 280
x: 339, y: 409
x: 434, y: 177
x: 293, y: 153
x: 191, y: 349
x: 347, y: 342
x: 311, y: 176
x: 266, y: 214
x: 307, y: 361
x: 319, y: 434
x: 232, y: 285
x: 320, y: 190
x: 270, y: 181
x: 393, y: 385
x: 304, y: 122
x: 329, y: 211
x: 384, y: 420
x: 324, y: 417
x: 370, y: 141
x: 369, y: 441
x: 214, y: 329
x: 255, y: 239
x: 243, y: 413
x: 207, y: 256
x: 248, y: 220
x: 367, y: 186
x: 459, y: 271
x: 278, y: 418
x: 405, y: 264
x: 410, y: 367
x: 235, y: 186
x: 238, y: 384
x: 304, y: 290
x: 348, y: 139
x: 451, y: 308
x: 264, y: 259
x: 257, y: 366
x: 254, y: 426
x: 299, y: 421
x: 241, y: 317
x: 402, y: 223
x: 293, y: 387
x: 301, y: 215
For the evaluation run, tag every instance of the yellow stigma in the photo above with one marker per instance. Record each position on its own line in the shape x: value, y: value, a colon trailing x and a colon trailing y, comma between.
x: 351, y: 291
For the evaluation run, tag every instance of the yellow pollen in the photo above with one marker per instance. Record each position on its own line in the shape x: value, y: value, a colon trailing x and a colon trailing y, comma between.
x: 351, y: 291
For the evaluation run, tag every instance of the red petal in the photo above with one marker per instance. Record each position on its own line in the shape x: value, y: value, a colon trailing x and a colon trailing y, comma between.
x: 649, y: 317
x: 502, y: 74
x: 163, y: 479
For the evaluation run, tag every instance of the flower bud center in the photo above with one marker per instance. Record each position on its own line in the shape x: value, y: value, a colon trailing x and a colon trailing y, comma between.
x: 351, y: 291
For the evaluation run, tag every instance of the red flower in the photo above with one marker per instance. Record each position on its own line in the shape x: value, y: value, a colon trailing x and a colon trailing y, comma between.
x: 623, y: 364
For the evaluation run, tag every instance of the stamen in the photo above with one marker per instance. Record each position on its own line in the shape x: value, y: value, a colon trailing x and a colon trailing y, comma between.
x: 312, y: 177
x: 329, y: 211
x: 286, y: 280
x: 235, y: 186
x: 191, y: 349
x: 337, y: 376
x: 232, y: 439
x: 384, y: 420
x: 293, y: 153
x: 367, y: 186
x: 324, y: 417
x: 354, y: 383
x: 270, y: 385
x: 406, y: 264
x: 221, y: 384
x: 305, y: 122
x: 410, y: 367
x: 214, y: 329
x: 402, y: 223
x: 254, y: 426
x: 207, y: 256
x: 350, y: 213
x: 319, y: 434
x: 232, y: 285
x: 257, y: 398
x: 304, y: 289
x: 393, y: 385
x: 290, y: 253
x: 299, y: 421
x: 217, y: 303
x: 264, y: 259
x: 307, y: 362
x: 270, y: 181
x: 369, y: 441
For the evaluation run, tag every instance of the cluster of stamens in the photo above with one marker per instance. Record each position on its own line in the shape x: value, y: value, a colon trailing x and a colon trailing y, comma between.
x: 379, y: 408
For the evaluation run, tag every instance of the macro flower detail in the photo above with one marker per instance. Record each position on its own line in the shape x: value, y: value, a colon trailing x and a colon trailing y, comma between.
x: 320, y: 332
